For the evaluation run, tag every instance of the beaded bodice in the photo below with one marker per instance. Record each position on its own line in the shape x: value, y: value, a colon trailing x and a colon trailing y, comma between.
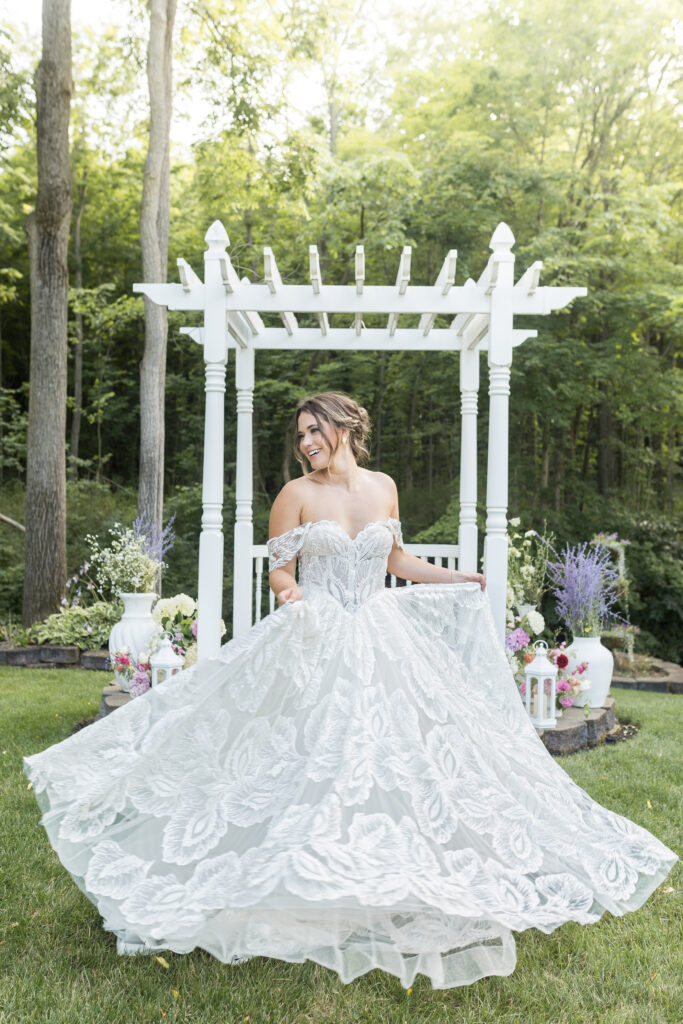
x: 350, y: 569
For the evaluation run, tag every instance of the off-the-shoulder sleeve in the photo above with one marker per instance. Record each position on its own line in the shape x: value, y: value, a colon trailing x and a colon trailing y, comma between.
x: 282, y: 549
x: 395, y: 525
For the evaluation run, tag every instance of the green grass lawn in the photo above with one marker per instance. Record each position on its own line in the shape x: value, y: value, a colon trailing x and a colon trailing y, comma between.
x: 60, y: 967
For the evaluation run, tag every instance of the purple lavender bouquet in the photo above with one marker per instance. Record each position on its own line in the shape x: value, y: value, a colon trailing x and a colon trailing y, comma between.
x: 586, y: 587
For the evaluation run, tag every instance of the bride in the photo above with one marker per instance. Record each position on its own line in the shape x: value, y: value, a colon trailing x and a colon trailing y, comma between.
x: 354, y: 781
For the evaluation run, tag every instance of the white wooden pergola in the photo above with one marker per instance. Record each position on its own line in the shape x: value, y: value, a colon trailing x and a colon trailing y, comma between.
x: 482, y: 315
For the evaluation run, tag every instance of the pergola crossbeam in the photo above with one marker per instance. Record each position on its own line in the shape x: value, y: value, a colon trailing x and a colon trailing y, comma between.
x: 402, y: 282
x: 405, y: 339
x: 273, y: 281
x: 445, y: 281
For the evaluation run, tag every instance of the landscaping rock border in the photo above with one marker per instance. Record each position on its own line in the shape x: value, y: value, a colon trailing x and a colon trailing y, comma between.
x: 671, y: 682
x: 53, y: 656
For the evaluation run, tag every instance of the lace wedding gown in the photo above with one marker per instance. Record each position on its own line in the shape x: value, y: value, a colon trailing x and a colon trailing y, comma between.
x: 354, y: 782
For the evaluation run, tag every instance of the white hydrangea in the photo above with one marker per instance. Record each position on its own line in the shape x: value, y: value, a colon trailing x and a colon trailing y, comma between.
x: 186, y: 605
x: 536, y: 622
x: 165, y: 608
x: 516, y: 521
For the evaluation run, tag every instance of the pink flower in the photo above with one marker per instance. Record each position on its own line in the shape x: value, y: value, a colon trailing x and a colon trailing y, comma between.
x: 522, y: 689
x: 140, y: 683
x: 194, y: 628
x: 582, y: 667
x: 566, y: 702
x: 563, y: 685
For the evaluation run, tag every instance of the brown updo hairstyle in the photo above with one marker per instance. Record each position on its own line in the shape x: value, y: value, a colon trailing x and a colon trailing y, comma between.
x: 343, y: 413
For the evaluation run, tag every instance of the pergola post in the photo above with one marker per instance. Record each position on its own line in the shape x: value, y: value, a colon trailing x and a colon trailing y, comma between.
x: 499, y: 359
x: 210, y: 585
x: 469, y: 389
x: 244, y: 525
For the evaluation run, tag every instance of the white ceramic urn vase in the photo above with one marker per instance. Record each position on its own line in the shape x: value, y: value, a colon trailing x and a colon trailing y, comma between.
x: 134, y: 630
x: 599, y: 671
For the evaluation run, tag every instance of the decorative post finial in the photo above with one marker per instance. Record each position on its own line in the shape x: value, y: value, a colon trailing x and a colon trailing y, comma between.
x: 217, y: 237
x: 502, y: 238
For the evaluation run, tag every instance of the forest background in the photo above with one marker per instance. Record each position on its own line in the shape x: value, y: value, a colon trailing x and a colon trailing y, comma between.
x: 423, y: 128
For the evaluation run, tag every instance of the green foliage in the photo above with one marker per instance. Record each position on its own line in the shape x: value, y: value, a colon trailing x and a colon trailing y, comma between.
x: 655, y: 565
x: 13, y: 425
x: 560, y: 117
x: 87, y: 628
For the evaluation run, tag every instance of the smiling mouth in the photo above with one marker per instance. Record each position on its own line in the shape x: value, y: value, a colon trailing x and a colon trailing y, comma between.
x: 316, y: 451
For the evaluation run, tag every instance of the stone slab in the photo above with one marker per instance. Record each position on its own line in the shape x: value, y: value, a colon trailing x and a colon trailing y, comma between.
x: 569, y: 734
x: 574, y: 731
x: 22, y: 656
x: 657, y: 685
x: 114, y: 701
x: 113, y: 697
x: 96, y: 660
x: 56, y: 654
x: 610, y: 716
x: 596, y: 727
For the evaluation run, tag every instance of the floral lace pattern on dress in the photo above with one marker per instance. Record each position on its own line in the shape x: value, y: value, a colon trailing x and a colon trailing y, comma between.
x: 355, y: 781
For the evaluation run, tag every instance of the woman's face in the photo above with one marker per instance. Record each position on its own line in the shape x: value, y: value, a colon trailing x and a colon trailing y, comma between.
x: 315, y: 444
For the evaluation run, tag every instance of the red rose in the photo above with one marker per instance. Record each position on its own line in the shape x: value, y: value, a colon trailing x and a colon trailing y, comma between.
x: 562, y: 661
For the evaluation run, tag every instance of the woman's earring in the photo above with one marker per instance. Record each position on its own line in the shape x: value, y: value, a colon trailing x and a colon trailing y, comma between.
x: 345, y: 440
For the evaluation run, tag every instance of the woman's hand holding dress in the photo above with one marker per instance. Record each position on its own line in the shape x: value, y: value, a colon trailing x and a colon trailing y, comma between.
x: 290, y: 594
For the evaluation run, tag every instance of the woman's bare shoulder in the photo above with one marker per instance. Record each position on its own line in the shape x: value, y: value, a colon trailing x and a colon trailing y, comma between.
x: 382, y: 480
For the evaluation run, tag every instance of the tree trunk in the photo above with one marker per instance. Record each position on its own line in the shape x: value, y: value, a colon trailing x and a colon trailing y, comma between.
x: 48, y: 239
x: 154, y: 228
x: 78, y: 347
x: 545, y: 455
x: 604, y: 447
x: 1, y: 458
x: 380, y: 411
x: 411, y: 423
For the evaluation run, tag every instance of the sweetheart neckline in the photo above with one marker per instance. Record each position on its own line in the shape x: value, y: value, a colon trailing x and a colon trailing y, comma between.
x: 335, y: 522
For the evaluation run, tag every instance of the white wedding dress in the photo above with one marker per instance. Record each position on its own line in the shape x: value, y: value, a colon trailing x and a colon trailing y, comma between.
x: 354, y: 782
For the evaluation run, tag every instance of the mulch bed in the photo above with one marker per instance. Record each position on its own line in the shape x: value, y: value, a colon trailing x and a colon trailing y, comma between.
x: 621, y: 731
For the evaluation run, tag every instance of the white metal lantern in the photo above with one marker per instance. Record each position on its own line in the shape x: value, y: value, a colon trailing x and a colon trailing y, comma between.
x: 541, y: 685
x: 164, y: 662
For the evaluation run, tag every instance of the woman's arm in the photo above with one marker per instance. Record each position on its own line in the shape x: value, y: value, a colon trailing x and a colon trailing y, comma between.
x: 410, y: 567
x: 285, y: 515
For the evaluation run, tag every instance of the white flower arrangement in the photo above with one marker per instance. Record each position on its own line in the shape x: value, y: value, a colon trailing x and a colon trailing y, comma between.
x: 125, y: 565
x: 171, y: 607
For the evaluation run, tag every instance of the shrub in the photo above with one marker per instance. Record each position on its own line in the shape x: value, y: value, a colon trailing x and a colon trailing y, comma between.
x: 87, y: 628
